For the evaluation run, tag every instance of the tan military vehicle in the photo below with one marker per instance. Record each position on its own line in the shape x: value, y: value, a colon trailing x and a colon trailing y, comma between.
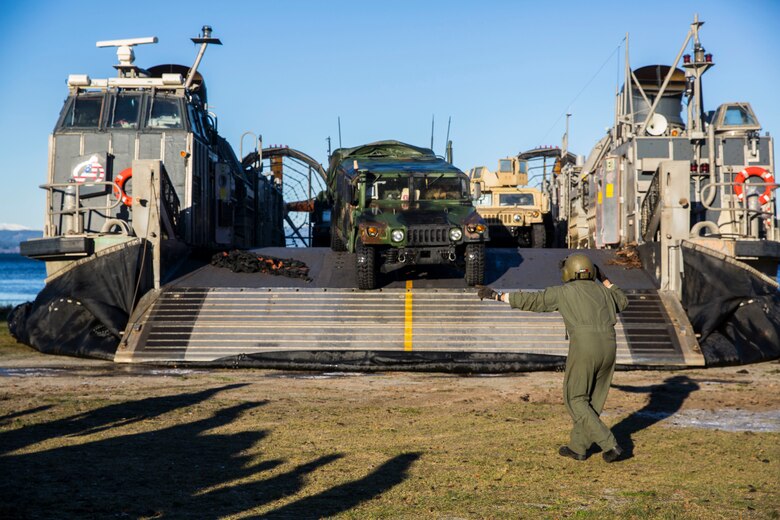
x: 515, y: 212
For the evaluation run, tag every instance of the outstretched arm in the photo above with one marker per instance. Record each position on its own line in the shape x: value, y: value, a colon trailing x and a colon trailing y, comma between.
x: 621, y: 302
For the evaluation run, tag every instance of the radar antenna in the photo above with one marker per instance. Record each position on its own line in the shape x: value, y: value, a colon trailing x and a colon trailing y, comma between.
x: 125, y: 54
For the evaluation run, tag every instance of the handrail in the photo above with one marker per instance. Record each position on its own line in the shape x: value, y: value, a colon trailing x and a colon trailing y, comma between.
x: 71, y: 202
x: 72, y: 206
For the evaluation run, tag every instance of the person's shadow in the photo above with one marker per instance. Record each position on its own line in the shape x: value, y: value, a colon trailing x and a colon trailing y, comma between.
x: 666, y: 399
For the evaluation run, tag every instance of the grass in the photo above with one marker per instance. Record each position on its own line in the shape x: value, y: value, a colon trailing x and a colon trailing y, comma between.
x: 239, y: 444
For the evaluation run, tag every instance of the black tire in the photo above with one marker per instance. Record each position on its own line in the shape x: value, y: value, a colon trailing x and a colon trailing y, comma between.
x: 336, y: 243
x: 538, y: 235
x: 365, y: 258
x: 474, y: 258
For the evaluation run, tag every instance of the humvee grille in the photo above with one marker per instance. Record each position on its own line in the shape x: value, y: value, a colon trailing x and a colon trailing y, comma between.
x: 428, y: 236
x: 501, y: 219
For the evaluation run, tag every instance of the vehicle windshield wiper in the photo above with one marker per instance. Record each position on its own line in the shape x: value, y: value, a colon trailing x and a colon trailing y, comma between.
x: 436, y: 179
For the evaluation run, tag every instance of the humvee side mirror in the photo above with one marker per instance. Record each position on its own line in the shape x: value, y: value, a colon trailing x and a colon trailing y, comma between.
x: 476, y: 194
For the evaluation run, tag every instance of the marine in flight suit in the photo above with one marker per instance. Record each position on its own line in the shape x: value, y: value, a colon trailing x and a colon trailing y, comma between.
x: 589, y: 311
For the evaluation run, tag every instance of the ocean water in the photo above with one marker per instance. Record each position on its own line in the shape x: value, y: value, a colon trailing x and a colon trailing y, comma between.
x: 20, y: 279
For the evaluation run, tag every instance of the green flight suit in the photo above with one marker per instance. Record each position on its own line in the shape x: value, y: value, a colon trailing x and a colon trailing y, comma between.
x: 588, y: 309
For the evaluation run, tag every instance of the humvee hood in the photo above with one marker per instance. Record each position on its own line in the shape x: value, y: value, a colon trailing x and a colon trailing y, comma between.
x: 423, y: 214
x: 421, y: 217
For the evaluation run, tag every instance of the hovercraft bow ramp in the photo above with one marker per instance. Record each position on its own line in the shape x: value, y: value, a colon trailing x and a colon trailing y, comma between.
x: 430, y: 321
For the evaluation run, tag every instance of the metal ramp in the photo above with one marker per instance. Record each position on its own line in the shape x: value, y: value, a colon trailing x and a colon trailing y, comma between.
x: 251, y: 319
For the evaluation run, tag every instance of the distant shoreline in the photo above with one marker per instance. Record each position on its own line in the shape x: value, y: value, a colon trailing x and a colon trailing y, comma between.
x: 10, y: 239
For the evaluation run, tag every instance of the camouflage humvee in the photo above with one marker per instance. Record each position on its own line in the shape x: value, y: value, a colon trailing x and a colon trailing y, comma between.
x: 515, y: 212
x: 395, y: 204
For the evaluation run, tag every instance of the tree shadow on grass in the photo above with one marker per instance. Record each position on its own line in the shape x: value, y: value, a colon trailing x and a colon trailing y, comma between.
x: 5, y: 418
x: 346, y: 496
x: 665, y: 400
x: 184, y: 468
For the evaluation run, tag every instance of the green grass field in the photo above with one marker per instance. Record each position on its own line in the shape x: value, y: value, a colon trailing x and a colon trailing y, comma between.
x: 102, y: 441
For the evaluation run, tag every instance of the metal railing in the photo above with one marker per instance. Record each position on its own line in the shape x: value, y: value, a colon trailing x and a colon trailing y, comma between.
x: 743, y: 214
x: 72, y: 209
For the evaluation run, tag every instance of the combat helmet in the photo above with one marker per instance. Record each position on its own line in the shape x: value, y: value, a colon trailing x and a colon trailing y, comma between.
x: 577, y: 267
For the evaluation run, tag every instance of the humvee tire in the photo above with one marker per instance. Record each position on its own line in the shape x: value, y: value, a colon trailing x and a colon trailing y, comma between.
x: 475, y: 264
x: 538, y: 235
x: 336, y: 243
x: 365, y: 258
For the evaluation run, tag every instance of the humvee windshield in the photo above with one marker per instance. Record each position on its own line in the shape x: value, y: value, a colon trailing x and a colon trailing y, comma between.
x: 440, y: 188
x: 516, y: 199
x: 425, y: 188
x: 84, y: 112
x: 485, y: 200
x: 390, y: 188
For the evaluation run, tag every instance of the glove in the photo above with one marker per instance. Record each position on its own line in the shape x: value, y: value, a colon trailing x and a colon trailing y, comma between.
x: 599, y: 273
x: 487, y: 293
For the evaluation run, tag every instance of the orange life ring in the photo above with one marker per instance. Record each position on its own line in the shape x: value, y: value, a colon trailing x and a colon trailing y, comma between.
x: 754, y: 171
x: 119, y: 189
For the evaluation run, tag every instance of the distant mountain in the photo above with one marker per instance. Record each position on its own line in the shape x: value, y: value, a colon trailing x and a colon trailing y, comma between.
x: 4, y: 226
x: 10, y: 238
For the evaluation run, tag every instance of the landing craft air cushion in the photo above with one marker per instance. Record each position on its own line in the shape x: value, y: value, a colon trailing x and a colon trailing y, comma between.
x: 696, y: 194
x: 138, y: 176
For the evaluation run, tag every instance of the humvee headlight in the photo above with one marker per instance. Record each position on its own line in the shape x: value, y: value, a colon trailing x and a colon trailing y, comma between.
x: 372, y: 231
x: 456, y: 234
x: 517, y: 218
x: 397, y: 235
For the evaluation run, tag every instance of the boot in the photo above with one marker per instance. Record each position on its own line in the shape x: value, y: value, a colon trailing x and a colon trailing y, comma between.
x: 613, y: 454
x: 565, y: 451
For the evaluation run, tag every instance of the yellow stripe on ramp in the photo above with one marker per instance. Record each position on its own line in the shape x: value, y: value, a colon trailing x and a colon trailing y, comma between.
x: 408, y: 317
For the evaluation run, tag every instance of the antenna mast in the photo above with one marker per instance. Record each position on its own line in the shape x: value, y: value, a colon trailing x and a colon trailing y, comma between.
x: 432, y: 119
x: 204, y: 39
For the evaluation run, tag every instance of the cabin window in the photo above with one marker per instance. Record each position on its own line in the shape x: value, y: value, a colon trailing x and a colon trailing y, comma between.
x: 522, y: 166
x: 505, y: 166
x: 476, y: 174
x: 738, y: 116
x: 84, y: 112
x: 195, y: 125
x: 516, y: 199
x: 126, y: 110
x: 164, y: 113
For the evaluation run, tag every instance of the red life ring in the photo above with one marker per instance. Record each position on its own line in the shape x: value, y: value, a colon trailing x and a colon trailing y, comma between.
x: 754, y: 171
x: 119, y: 189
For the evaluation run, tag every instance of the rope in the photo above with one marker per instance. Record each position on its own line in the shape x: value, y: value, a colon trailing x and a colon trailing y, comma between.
x: 247, y: 262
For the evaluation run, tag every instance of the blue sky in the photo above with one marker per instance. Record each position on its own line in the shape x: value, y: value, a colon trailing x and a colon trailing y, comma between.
x: 506, y: 72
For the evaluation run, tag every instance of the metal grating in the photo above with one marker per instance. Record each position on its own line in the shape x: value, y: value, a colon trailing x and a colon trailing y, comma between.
x: 201, y: 324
